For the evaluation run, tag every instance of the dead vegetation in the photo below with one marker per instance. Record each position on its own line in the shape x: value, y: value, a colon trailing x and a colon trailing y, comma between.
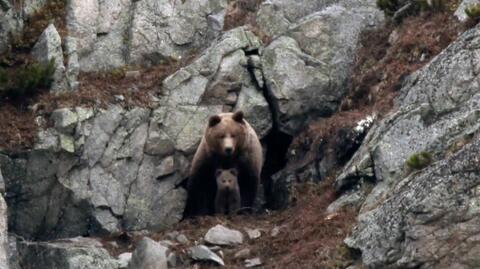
x: 308, y: 238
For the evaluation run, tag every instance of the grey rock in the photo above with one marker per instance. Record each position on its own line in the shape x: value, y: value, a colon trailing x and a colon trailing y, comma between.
x: 64, y: 119
x: 49, y: 48
x: 13, y: 15
x: 163, y: 30
x: 2, y: 183
x: 203, y: 253
x: 221, y: 235
x: 73, y: 65
x: 75, y: 253
x: 124, y: 259
x: 182, y: 239
x: 438, y: 107
x: 307, y: 69
x: 275, y: 17
x: 13, y: 256
x: 418, y: 223
x: 275, y: 231
x: 172, y: 260
x: 249, y: 263
x: 98, y: 178
x: 149, y: 255
x: 242, y: 254
x: 415, y: 213
x: 4, y: 240
x: 219, y: 73
x: 460, y: 12
x: 253, y: 233
x: 100, y: 28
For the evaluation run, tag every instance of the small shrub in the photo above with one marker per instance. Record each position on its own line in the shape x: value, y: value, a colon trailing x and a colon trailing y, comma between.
x: 473, y: 12
x: 419, y: 160
x: 27, y: 80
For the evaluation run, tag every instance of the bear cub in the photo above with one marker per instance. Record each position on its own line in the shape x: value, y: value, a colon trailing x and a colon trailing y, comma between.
x: 227, y: 198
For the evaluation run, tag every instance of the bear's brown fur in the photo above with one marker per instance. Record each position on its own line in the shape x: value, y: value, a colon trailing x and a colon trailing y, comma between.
x: 227, y: 198
x: 228, y: 141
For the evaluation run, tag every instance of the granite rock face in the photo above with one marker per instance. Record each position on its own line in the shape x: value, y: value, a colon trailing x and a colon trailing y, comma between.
x: 112, y: 34
x: 307, y: 68
x: 411, y: 218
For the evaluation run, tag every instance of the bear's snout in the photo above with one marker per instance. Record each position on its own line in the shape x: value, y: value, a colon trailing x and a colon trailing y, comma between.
x: 229, y: 151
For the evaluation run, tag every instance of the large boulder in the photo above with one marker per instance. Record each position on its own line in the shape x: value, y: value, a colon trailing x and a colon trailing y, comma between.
x: 162, y: 30
x: 149, y: 255
x: 74, y: 253
x: 91, y: 174
x: 49, y: 48
x: 221, y: 77
x: 275, y: 17
x: 430, y: 219
x: 307, y: 69
x: 415, y: 215
x: 114, y: 33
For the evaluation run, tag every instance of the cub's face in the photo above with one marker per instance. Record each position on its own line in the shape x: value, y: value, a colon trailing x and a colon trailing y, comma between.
x: 226, y: 179
x: 226, y: 133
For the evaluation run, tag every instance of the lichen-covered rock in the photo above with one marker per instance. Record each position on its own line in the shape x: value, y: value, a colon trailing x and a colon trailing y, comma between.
x: 307, y: 69
x: 220, y: 78
x: 75, y: 253
x: 460, y: 12
x: 275, y: 17
x: 149, y: 254
x: 430, y: 219
x: 162, y: 30
x: 438, y: 108
x: 100, y: 28
x: 114, y: 33
x: 411, y: 218
x: 12, y: 19
x: 49, y: 48
x: 4, y: 244
x: 100, y: 179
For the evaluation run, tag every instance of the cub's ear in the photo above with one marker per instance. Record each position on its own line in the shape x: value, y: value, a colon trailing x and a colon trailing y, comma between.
x: 218, y: 172
x: 238, y: 116
x: 214, y: 120
x: 234, y: 171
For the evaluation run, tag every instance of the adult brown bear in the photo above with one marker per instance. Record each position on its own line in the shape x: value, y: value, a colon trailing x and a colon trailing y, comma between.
x: 228, y: 141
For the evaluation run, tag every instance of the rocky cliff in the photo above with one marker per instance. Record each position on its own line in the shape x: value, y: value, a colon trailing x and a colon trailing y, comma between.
x: 99, y: 177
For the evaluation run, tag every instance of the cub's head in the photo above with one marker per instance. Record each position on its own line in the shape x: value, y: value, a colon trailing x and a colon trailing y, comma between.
x: 226, y: 178
x: 226, y: 133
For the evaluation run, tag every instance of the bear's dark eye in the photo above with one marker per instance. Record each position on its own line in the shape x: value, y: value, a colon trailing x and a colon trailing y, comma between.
x: 233, y: 136
x: 222, y: 136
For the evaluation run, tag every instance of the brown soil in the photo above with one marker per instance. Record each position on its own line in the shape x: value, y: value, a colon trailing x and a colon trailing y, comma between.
x: 309, y: 237
x: 381, y: 67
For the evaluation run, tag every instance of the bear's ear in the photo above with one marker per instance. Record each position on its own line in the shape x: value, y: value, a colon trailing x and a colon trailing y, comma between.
x: 214, y: 120
x: 218, y: 172
x: 234, y: 171
x: 238, y: 116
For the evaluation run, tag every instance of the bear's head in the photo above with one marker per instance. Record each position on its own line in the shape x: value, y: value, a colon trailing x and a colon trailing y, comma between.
x: 226, y: 178
x: 226, y: 133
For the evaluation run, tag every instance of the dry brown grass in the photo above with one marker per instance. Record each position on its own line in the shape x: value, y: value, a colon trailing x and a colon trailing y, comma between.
x: 381, y: 67
x: 309, y: 237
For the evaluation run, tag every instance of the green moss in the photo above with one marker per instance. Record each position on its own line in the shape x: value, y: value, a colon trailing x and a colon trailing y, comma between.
x: 26, y: 80
x: 419, y: 160
x: 473, y: 11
